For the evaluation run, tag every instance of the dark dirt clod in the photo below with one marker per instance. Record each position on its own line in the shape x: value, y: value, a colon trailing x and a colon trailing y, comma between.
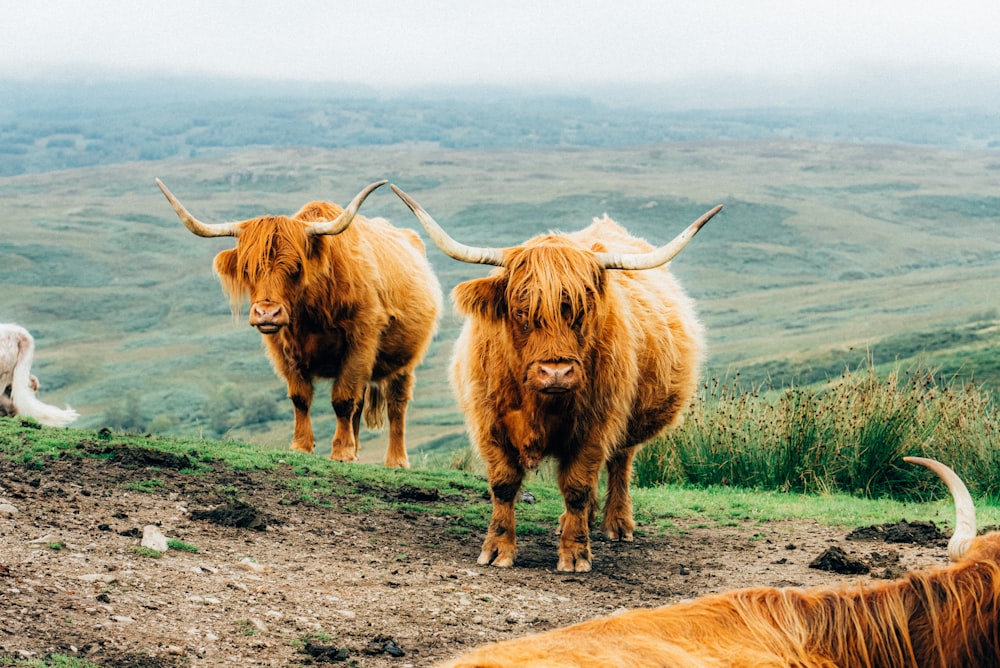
x: 326, y: 653
x: 411, y: 493
x: 237, y: 514
x: 144, y: 457
x: 384, y: 645
x: 886, y: 566
x: 836, y: 560
x: 918, y: 533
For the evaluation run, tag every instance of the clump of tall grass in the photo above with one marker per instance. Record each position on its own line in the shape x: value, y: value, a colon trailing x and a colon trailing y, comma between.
x: 848, y: 435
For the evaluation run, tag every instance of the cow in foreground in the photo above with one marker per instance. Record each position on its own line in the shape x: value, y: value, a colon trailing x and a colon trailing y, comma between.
x: 17, y: 350
x: 580, y: 347
x: 336, y: 296
x: 942, y: 618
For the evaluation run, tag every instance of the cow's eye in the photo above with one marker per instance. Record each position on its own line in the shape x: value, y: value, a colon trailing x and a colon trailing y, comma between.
x: 521, y: 318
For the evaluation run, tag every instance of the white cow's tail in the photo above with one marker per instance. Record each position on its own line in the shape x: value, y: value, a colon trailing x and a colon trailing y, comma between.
x: 23, y: 396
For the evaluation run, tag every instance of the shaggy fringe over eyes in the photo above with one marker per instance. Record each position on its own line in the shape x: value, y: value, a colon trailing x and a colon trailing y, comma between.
x: 275, y: 246
x: 544, y: 276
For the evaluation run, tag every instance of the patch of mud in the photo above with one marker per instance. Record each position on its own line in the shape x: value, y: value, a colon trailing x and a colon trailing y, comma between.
x: 834, y: 559
x: 411, y: 493
x: 320, y: 653
x: 236, y: 514
x: 137, y: 457
x: 917, y: 533
x: 882, y: 565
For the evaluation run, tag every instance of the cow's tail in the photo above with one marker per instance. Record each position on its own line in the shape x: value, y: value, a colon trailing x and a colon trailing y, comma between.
x: 375, y: 406
x: 22, y: 395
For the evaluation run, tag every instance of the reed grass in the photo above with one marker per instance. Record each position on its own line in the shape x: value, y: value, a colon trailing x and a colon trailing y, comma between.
x: 848, y: 436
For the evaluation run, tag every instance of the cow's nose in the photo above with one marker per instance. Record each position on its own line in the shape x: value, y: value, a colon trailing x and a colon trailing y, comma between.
x: 268, y: 317
x: 266, y: 312
x: 555, y: 376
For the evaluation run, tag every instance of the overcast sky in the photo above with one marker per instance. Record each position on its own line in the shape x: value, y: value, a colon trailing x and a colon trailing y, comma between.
x: 391, y: 43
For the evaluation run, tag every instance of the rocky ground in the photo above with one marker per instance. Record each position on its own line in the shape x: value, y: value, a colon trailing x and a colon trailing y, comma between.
x: 278, y: 582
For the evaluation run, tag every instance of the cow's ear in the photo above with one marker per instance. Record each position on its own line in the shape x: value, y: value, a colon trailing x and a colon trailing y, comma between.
x: 225, y: 268
x: 225, y: 263
x: 483, y: 297
x: 601, y: 275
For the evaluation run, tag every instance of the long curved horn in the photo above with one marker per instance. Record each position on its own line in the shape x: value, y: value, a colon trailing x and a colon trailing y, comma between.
x: 341, y: 222
x: 965, y: 510
x: 657, y: 257
x: 449, y: 246
x: 195, y: 225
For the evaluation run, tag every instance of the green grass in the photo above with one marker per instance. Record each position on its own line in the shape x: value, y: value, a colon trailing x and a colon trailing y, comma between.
x: 146, y: 552
x: 849, y: 436
x: 462, y: 494
x: 145, y: 486
x: 181, y: 546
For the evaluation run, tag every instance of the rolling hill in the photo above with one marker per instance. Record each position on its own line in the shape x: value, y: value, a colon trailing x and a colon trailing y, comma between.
x: 826, y: 253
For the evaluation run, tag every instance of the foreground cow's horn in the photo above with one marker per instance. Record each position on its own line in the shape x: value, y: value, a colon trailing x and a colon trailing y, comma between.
x: 341, y: 222
x: 195, y: 225
x: 449, y: 246
x: 335, y: 226
x: 661, y: 255
x: 965, y: 510
x: 494, y: 256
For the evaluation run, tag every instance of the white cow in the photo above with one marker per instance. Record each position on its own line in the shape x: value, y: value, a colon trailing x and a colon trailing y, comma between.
x: 17, y: 349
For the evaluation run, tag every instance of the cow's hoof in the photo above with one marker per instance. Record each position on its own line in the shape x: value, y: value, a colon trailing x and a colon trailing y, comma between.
x: 403, y: 463
x: 570, y: 565
x: 488, y: 558
x: 624, y: 536
x: 303, y: 447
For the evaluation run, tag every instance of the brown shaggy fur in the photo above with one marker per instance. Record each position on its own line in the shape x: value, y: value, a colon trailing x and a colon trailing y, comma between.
x: 360, y: 308
x: 942, y: 618
x: 627, y: 346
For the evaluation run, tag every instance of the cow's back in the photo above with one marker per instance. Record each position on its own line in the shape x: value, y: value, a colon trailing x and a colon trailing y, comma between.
x: 407, y: 284
x: 669, y: 338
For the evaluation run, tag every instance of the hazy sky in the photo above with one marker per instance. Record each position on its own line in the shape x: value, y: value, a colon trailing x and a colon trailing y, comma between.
x: 397, y: 42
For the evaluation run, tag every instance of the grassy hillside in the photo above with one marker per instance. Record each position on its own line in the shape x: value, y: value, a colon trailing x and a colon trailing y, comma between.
x: 315, y: 480
x: 824, y: 254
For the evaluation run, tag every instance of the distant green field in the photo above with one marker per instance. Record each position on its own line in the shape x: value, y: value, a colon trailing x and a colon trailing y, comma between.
x: 824, y: 255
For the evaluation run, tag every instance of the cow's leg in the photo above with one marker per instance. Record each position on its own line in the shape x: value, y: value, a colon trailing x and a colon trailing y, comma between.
x: 500, y: 545
x: 591, y: 515
x: 399, y: 391
x: 344, y: 447
x: 578, y: 483
x: 300, y: 391
x: 356, y: 422
x: 618, y: 521
x: 347, y: 396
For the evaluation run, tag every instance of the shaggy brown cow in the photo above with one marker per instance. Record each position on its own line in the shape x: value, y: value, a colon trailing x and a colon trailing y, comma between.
x: 943, y: 618
x: 17, y: 350
x: 354, y: 302
x: 580, y: 347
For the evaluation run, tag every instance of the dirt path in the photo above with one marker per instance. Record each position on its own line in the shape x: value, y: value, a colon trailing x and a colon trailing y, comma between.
x: 300, y: 584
